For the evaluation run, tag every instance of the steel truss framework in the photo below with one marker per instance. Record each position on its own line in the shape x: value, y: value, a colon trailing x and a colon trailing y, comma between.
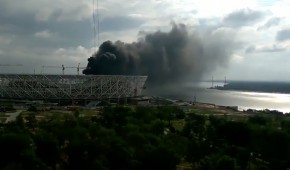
x: 69, y: 87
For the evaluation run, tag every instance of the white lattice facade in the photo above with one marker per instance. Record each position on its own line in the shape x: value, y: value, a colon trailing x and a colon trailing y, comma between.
x: 69, y: 87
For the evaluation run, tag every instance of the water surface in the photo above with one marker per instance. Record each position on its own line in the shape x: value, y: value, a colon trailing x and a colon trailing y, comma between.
x: 244, y: 100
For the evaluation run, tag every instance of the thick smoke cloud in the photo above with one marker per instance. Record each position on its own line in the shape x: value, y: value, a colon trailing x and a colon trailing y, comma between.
x: 166, y: 57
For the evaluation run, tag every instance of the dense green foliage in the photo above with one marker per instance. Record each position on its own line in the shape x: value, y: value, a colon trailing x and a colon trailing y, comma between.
x: 123, y: 138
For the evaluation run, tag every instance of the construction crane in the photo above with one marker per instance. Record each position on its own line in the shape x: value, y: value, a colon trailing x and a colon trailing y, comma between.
x: 78, y: 68
x: 63, y: 68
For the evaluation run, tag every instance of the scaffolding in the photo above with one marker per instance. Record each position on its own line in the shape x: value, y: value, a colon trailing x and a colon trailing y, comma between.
x: 69, y: 87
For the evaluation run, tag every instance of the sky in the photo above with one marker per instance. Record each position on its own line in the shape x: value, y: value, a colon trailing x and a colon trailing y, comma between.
x: 38, y: 33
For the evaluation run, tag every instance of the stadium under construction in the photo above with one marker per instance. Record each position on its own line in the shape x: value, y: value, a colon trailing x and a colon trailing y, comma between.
x: 69, y: 88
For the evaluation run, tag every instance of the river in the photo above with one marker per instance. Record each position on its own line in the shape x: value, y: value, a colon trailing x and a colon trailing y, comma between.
x: 244, y: 100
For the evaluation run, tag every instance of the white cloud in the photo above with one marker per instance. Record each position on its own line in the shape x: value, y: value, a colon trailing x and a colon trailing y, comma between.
x: 36, y: 58
x: 1, y: 52
x: 125, y: 36
x: 280, y: 8
x: 45, y: 9
x: 43, y: 15
x: 44, y: 34
x: 209, y: 8
x: 236, y: 58
x: 75, y: 13
x: 266, y: 48
x: 76, y: 54
x: 272, y: 22
x: 157, y: 14
x: 6, y: 40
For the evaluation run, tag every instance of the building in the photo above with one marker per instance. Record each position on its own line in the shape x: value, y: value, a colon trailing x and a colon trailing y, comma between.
x: 69, y: 87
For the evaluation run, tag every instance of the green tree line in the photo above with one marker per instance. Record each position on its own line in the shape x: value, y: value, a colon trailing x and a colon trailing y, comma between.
x: 145, y: 138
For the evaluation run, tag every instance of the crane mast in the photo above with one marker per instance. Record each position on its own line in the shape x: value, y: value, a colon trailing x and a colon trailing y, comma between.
x: 63, y: 68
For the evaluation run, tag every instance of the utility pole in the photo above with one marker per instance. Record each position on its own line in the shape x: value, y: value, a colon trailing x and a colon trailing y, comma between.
x: 62, y: 69
x: 225, y: 80
x: 78, y: 70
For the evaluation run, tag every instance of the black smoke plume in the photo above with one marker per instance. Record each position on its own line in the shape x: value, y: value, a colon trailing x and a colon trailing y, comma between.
x: 166, y: 57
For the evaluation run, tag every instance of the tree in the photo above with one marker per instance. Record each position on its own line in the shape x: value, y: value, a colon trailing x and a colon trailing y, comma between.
x: 235, y: 133
x: 31, y: 121
x: 76, y: 113
x: 19, y: 121
x: 160, y: 157
x: 226, y: 162
x: 32, y: 109
x: 259, y: 120
x: 218, y: 162
x: 47, y: 148
x: 194, y: 126
x: 115, y: 117
x: 19, y: 152
x: 157, y: 127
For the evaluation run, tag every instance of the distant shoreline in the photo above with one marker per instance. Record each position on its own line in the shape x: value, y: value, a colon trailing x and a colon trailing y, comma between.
x: 263, y: 87
x: 236, y: 108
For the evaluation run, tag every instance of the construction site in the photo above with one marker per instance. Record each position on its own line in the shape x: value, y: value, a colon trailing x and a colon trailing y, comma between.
x: 59, y: 88
x: 46, y: 92
x: 64, y: 92
x: 112, y: 81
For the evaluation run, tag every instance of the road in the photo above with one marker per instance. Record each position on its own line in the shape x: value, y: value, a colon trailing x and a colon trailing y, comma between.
x: 12, y: 116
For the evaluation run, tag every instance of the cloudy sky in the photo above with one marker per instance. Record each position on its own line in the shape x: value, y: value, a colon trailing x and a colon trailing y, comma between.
x: 55, y: 32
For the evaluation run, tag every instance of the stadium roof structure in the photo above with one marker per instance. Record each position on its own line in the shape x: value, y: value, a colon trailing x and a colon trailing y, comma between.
x: 69, y: 87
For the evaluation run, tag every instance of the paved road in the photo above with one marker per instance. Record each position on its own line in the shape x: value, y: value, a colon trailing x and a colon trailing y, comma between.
x: 12, y: 116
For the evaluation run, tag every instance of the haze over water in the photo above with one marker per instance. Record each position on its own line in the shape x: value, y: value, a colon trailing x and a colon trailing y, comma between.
x: 244, y: 100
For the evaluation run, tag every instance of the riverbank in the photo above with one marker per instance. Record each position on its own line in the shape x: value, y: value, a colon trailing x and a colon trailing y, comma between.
x: 256, y: 86
x: 218, y: 109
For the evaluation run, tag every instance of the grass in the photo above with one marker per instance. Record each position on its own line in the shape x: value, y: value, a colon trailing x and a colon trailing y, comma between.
x: 178, y: 124
x: 203, y: 110
x: 3, y: 119
x: 89, y: 112
x: 4, y: 115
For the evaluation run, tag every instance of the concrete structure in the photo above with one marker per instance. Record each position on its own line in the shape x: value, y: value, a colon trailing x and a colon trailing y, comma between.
x: 69, y: 87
